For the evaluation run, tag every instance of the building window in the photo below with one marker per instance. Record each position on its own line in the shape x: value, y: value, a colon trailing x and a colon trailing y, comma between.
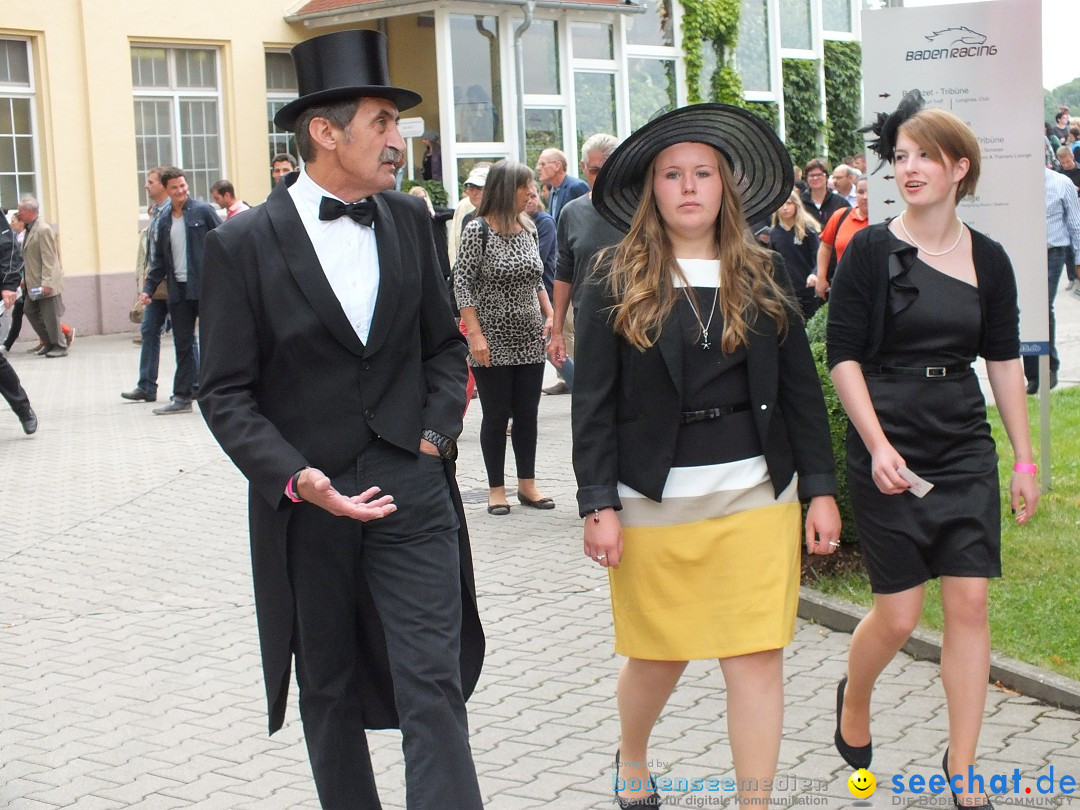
x: 474, y: 43
x: 543, y: 130
x: 281, y: 88
x: 178, y: 113
x: 17, y: 171
x: 653, y: 27
x: 652, y: 88
x: 752, y: 51
x: 836, y: 15
x: 594, y: 103
x: 592, y: 40
x: 541, y: 51
x: 795, y: 33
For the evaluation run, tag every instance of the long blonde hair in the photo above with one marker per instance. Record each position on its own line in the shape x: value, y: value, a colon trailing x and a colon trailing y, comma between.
x: 643, y: 265
x: 803, y: 221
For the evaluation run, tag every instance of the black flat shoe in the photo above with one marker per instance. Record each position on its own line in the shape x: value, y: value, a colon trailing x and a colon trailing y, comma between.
x: 498, y: 509
x: 652, y: 800
x: 945, y: 767
x: 855, y: 756
x: 540, y: 503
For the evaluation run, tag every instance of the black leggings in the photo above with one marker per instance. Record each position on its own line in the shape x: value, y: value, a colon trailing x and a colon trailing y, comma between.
x: 507, y: 391
x: 16, y: 324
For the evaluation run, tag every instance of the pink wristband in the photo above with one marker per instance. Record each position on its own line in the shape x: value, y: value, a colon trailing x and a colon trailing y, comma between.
x: 1027, y: 469
x: 290, y: 493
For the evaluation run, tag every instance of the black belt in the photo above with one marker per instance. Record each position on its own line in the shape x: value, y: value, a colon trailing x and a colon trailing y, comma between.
x: 689, y: 417
x: 921, y: 371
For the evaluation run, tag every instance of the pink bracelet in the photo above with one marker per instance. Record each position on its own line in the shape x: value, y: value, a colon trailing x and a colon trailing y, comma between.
x: 290, y: 492
x: 1027, y: 469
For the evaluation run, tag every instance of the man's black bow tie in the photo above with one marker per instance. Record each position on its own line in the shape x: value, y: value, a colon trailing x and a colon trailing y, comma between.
x: 363, y: 211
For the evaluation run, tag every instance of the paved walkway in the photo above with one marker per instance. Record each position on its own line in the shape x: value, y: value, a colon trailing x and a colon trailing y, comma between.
x: 129, y: 668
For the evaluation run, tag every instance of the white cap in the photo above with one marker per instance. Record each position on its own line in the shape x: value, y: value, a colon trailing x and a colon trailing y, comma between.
x: 477, y: 177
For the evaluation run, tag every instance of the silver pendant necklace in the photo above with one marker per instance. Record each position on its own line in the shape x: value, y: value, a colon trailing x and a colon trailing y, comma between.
x: 705, y: 344
x: 921, y: 249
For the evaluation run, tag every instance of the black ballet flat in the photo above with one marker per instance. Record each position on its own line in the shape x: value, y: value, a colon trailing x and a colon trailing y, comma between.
x: 498, y: 509
x: 539, y: 503
x: 652, y: 800
x: 857, y: 756
x: 986, y: 805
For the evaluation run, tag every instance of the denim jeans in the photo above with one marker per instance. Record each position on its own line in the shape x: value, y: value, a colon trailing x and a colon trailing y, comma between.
x: 153, y: 320
x: 184, y: 313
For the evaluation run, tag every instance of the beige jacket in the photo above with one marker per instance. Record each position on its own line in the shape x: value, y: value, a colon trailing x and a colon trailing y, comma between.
x: 42, y: 263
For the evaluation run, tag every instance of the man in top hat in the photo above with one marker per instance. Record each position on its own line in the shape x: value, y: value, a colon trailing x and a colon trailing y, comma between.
x: 343, y: 417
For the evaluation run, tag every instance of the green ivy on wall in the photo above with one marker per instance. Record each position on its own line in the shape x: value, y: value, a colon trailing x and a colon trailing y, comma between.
x: 843, y: 77
x: 766, y: 110
x: 802, y: 105
x: 712, y: 23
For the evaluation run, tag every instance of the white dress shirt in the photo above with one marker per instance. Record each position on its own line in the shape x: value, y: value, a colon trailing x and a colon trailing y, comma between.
x: 346, y: 250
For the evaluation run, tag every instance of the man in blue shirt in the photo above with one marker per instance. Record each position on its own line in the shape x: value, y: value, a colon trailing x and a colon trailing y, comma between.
x: 551, y: 167
x: 1062, y: 242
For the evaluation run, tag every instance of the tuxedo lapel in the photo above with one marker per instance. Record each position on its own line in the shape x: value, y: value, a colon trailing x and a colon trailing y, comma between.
x: 303, y: 263
x: 387, y: 239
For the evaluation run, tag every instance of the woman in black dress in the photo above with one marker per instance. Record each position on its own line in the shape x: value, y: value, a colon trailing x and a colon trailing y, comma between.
x: 916, y: 299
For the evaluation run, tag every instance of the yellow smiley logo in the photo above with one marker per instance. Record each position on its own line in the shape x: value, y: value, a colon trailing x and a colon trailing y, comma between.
x: 862, y: 784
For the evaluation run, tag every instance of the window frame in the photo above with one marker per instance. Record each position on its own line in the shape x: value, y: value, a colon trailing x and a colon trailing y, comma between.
x: 10, y: 90
x: 176, y: 96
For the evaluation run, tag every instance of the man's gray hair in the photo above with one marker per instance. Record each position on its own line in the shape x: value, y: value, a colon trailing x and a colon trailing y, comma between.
x: 339, y: 114
x: 30, y: 201
x: 601, y: 142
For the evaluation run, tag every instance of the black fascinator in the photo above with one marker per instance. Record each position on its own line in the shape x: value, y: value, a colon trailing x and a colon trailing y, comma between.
x: 887, y: 127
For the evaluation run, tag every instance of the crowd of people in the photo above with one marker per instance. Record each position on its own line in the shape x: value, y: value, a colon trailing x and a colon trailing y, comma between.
x: 701, y: 446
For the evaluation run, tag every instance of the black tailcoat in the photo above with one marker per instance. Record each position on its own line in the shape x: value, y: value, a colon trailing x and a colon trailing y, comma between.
x: 286, y: 383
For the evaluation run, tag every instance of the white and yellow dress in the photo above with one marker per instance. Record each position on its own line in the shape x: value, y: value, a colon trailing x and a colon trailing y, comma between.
x: 712, y: 571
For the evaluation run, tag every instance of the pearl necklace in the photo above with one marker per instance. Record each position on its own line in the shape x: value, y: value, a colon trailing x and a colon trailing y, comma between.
x: 921, y: 249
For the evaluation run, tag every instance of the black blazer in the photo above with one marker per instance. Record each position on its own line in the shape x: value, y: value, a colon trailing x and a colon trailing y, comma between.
x: 286, y: 383
x: 626, y: 404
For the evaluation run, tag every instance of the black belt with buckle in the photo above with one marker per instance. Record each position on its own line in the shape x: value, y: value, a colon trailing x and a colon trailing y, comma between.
x: 931, y: 372
x: 689, y: 417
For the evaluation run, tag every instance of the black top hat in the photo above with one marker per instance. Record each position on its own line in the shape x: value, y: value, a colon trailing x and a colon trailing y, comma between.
x: 760, y: 163
x: 342, y: 66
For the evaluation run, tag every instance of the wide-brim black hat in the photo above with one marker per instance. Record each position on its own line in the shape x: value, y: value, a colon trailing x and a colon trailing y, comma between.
x: 342, y: 66
x: 758, y: 159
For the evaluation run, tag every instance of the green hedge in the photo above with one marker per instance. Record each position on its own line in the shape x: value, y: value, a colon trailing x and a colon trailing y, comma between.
x: 435, y: 189
x: 843, y: 77
x: 838, y: 421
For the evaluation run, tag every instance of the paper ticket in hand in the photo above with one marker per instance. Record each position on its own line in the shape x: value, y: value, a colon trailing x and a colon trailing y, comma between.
x: 919, y: 486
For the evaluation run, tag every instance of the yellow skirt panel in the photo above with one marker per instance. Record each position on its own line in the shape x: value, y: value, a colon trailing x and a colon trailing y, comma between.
x: 715, y: 588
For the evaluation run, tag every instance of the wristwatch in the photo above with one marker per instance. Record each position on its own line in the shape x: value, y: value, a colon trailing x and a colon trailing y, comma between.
x: 446, y: 446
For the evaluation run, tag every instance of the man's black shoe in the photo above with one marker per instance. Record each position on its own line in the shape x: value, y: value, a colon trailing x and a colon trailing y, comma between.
x: 56, y: 351
x: 29, y: 421
x: 138, y: 395
x: 1033, y: 386
x: 45, y: 349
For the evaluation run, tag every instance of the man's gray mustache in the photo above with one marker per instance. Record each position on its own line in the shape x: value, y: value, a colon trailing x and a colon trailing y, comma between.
x: 389, y: 155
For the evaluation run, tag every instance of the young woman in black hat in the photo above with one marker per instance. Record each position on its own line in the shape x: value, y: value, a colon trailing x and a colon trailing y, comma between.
x: 915, y: 300
x: 699, y: 425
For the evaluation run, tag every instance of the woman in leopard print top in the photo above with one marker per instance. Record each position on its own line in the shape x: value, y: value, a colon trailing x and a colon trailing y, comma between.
x: 507, y: 314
